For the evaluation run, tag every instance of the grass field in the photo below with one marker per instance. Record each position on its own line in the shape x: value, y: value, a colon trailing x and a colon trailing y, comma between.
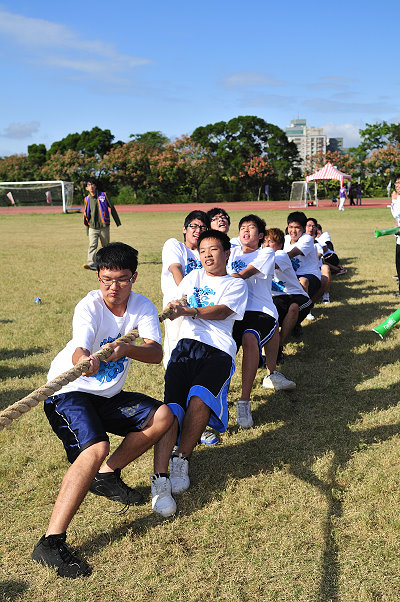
x: 305, y: 506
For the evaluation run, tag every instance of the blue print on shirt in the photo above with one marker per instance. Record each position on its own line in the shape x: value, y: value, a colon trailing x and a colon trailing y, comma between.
x: 200, y: 297
x: 278, y: 285
x: 238, y: 265
x: 295, y: 263
x: 192, y: 264
x: 109, y: 371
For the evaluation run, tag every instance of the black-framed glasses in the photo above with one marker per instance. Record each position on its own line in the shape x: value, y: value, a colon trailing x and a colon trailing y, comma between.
x: 218, y: 217
x: 119, y: 281
x: 197, y: 227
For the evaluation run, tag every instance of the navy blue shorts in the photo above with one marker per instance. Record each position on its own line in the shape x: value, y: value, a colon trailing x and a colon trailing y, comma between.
x: 197, y: 369
x: 314, y: 283
x: 258, y: 323
x: 283, y: 302
x: 82, y: 419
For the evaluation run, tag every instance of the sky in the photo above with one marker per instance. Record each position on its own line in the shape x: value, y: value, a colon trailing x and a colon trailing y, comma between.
x: 133, y: 67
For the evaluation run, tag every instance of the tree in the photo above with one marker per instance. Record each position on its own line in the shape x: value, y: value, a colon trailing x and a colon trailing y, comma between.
x: 152, y: 139
x: 37, y: 154
x: 256, y: 171
x: 95, y: 142
x: 72, y: 167
x: 192, y: 162
x: 235, y: 142
x: 16, y: 168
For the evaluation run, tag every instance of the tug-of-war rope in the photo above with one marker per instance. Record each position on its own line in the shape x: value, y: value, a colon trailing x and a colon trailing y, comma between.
x: 30, y: 401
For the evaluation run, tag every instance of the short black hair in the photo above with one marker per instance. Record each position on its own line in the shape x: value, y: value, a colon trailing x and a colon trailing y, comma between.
x: 116, y: 256
x: 312, y: 219
x: 91, y: 181
x: 201, y: 215
x: 299, y: 217
x: 258, y: 221
x: 221, y: 236
x: 218, y: 211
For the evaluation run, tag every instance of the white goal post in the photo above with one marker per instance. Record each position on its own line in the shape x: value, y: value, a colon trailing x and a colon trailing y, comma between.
x: 300, y: 195
x: 36, y: 193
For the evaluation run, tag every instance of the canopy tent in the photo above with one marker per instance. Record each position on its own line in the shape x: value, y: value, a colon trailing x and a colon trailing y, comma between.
x: 329, y: 172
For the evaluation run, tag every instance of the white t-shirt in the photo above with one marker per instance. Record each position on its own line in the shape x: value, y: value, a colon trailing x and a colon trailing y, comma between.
x: 93, y: 326
x: 307, y: 263
x: 395, y: 209
x: 285, y: 281
x: 235, y: 242
x: 176, y: 252
x: 260, y: 284
x: 203, y: 290
x: 323, y: 239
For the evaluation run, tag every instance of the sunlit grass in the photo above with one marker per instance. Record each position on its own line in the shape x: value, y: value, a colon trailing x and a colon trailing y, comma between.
x: 305, y: 506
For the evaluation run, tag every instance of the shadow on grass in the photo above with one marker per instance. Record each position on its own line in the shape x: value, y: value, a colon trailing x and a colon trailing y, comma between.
x: 10, y: 354
x: 9, y: 397
x: 11, y: 590
x: 316, y: 421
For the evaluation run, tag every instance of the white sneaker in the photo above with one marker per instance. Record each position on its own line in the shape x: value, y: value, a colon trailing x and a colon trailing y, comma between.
x: 162, y: 503
x: 278, y: 382
x: 179, y: 474
x: 243, y: 414
x: 310, y: 317
x: 326, y: 298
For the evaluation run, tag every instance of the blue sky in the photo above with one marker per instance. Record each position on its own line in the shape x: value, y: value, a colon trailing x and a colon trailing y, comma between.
x: 132, y: 66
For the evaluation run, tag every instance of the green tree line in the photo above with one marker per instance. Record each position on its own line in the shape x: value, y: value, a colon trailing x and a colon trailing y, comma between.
x: 223, y: 161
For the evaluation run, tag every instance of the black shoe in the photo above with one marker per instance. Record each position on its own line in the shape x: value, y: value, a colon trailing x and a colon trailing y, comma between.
x: 297, y: 331
x: 396, y: 294
x: 281, y: 358
x: 110, y: 484
x: 53, y: 551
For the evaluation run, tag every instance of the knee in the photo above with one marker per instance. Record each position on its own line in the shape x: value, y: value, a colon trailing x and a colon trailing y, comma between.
x: 163, y: 418
x: 249, y: 342
x: 98, y: 452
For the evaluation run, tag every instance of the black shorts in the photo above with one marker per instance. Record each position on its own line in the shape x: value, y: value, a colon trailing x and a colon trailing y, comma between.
x: 197, y: 369
x: 314, y: 283
x: 331, y: 259
x: 82, y: 419
x: 260, y: 324
x: 283, y: 302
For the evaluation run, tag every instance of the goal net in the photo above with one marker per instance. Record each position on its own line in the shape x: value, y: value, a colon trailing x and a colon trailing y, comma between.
x: 38, y: 193
x: 299, y: 195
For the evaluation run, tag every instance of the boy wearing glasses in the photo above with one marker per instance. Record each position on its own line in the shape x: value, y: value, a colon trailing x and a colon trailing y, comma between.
x: 85, y: 410
x: 178, y: 260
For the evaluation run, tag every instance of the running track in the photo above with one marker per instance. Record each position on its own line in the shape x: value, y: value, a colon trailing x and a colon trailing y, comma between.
x: 187, y: 207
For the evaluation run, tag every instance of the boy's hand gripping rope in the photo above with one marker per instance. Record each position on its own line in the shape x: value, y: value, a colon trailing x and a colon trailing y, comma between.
x: 30, y: 401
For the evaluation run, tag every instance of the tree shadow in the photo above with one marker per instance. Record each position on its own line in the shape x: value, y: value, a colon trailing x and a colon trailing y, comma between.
x: 7, y: 354
x: 11, y: 590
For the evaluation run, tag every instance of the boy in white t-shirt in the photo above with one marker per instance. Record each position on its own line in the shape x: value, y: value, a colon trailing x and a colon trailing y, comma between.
x: 290, y: 299
x: 178, y: 260
x: 201, y: 365
x: 259, y: 327
x: 85, y: 410
x: 395, y: 211
x: 301, y: 250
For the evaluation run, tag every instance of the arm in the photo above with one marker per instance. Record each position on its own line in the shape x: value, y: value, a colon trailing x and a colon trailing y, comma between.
x: 150, y: 352
x: 177, y: 272
x: 113, y: 212
x: 246, y: 273
x: 293, y: 252
x: 81, y: 354
x: 211, y: 312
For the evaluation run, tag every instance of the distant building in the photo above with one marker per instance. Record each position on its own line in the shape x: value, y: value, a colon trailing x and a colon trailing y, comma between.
x: 335, y: 144
x: 309, y: 140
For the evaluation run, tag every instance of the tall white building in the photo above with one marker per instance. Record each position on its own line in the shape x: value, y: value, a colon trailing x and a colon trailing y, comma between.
x: 309, y: 140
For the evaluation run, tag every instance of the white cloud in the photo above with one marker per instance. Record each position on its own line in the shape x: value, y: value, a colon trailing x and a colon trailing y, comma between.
x: 347, y: 131
x: 247, y: 79
x: 55, y: 45
x: 19, y: 131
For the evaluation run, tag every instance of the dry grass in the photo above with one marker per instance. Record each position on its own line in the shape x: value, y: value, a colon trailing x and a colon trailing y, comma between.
x: 304, y: 506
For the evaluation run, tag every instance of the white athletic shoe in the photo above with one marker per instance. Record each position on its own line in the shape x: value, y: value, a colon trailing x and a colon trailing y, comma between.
x: 278, y: 382
x: 162, y: 503
x: 243, y: 414
x: 179, y: 474
x: 326, y: 298
x: 310, y: 317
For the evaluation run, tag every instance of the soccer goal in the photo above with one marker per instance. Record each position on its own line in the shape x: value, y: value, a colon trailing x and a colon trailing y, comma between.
x: 37, y: 193
x: 300, y: 195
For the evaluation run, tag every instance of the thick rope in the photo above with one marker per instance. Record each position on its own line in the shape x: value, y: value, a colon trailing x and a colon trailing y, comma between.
x: 30, y: 401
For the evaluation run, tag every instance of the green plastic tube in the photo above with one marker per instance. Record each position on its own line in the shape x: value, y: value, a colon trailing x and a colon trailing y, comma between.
x: 387, y: 324
x: 385, y: 232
